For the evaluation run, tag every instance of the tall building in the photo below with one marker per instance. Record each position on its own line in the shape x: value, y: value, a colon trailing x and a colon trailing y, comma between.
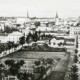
x: 58, y: 21
x: 74, y: 30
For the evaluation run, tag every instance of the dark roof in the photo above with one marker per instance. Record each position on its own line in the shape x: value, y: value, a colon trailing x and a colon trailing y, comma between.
x: 3, y: 34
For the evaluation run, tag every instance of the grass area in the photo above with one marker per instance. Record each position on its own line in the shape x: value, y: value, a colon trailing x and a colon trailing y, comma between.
x: 42, y: 48
x: 55, y: 75
x: 26, y: 55
x: 62, y: 65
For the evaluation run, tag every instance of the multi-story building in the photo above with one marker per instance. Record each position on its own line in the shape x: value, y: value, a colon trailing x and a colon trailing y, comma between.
x: 3, y: 37
x: 14, y: 36
x: 69, y: 42
x: 74, y: 30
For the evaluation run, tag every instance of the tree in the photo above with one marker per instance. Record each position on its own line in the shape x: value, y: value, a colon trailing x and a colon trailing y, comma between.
x: 13, y: 70
x: 14, y: 66
x: 37, y: 63
x: 39, y: 32
x: 22, y: 40
x: 18, y: 25
x: 43, y: 36
x: 16, y: 45
x: 2, y: 71
x: 13, y: 45
x: 78, y: 23
x: 5, y: 46
x: 60, y: 43
x: 47, y: 24
x: 44, y: 62
x: 49, y: 60
x: 2, y: 74
x: 21, y: 62
x: 35, y: 36
x: 8, y: 29
x: 76, y: 51
x: 10, y: 44
x: 41, y: 70
x: 29, y: 37
x: 75, y: 59
x: 74, y: 73
x: 37, y: 23
x: 25, y: 76
x: 49, y: 41
x: 9, y: 62
x: 20, y: 76
x: 1, y: 48
x: 76, y: 45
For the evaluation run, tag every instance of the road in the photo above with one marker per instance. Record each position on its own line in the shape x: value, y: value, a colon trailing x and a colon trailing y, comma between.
x: 78, y: 64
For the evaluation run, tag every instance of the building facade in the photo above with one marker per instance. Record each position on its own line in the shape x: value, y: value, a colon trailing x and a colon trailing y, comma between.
x: 75, y: 31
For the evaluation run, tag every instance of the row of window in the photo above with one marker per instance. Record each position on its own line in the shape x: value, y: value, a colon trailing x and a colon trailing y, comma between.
x: 76, y: 33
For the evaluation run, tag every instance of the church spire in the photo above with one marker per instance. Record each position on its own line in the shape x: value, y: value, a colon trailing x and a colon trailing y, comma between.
x: 56, y: 19
x: 27, y: 15
x: 56, y: 14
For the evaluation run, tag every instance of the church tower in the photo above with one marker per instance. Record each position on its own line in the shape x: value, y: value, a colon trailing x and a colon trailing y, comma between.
x: 56, y: 19
x: 27, y: 15
x: 56, y: 15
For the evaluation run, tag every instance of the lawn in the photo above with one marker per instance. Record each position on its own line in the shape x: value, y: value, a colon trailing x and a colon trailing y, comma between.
x: 56, y: 75
x: 59, y: 70
x: 26, y: 55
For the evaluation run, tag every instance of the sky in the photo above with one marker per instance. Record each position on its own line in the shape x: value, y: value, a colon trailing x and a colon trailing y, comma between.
x: 40, y: 8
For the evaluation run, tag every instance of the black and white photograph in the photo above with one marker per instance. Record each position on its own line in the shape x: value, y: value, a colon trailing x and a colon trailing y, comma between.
x: 39, y: 39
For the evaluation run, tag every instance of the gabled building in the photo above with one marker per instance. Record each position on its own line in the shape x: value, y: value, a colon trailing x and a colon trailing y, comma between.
x: 56, y: 42
x: 14, y: 36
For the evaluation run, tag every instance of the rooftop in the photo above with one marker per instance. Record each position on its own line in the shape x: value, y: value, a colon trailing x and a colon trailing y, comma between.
x: 15, y: 33
x: 4, y: 34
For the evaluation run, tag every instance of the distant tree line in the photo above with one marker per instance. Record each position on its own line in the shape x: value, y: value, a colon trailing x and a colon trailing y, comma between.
x: 37, y: 36
x: 44, y: 48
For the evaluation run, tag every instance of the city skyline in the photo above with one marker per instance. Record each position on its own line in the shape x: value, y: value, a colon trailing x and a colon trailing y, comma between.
x: 40, y: 8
